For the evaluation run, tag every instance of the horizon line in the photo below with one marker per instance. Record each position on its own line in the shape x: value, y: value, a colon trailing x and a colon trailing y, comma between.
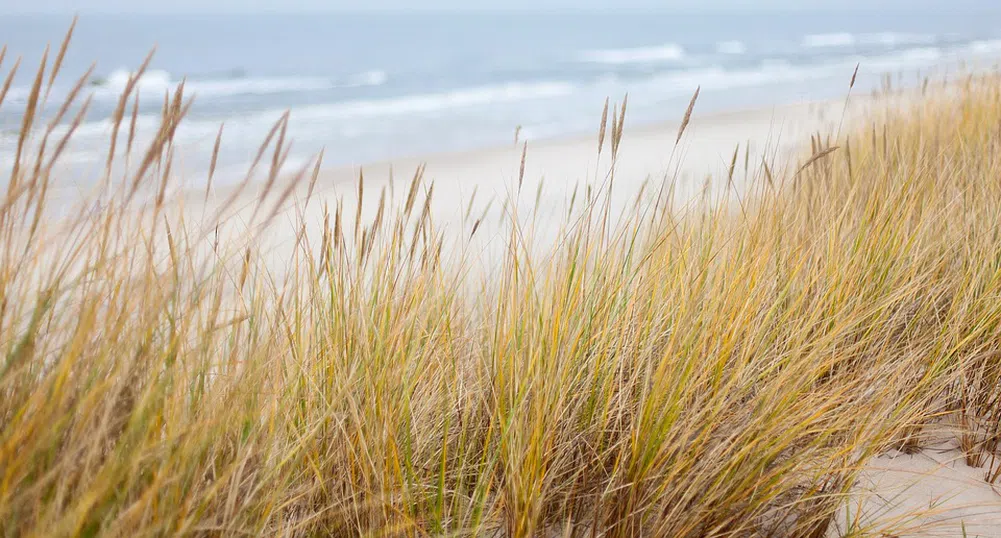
x: 695, y: 10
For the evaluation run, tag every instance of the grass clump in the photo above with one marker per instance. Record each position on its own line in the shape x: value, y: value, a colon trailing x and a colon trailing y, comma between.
x: 726, y: 370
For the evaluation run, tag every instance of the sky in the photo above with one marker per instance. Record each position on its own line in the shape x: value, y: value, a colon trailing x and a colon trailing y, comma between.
x: 193, y: 6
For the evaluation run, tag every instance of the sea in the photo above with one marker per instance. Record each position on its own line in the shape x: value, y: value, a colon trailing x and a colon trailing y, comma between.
x: 367, y: 87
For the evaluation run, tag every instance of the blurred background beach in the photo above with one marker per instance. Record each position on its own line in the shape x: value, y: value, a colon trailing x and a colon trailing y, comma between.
x: 373, y: 87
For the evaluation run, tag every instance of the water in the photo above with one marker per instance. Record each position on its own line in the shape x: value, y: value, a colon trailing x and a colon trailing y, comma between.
x: 369, y: 87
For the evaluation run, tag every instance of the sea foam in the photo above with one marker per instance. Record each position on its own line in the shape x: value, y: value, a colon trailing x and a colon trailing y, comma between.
x: 638, y: 55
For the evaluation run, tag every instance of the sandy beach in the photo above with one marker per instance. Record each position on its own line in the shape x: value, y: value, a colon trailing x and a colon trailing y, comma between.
x: 932, y: 493
x: 475, y: 186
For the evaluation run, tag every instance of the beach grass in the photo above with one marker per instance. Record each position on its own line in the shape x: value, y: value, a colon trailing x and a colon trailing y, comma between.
x: 728, y: 369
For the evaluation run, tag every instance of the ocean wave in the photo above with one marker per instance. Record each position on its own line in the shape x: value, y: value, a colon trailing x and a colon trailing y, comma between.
x: 425, y: 103
x: 253, y: 125
x: 256, y: 86
x: 893, y: 39
x: 161, y: 81
x: 886, y: 39
x: 777, y: 71
x: 817, y: 41
x: 151, y: 80
x: 107, y: 87
x: 991, y: 46
x: 639, y: 55
x: 731, y: 47
x: 718, y: 78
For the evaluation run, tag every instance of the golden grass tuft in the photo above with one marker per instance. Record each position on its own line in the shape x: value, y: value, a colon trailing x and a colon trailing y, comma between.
x: 708, y: 373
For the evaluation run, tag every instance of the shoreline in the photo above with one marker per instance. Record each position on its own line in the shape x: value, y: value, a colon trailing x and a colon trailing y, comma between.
x: 735, y: 114
x: 468, y: 184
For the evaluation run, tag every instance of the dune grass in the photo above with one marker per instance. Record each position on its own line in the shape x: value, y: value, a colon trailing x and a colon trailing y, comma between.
x: 727, y: 370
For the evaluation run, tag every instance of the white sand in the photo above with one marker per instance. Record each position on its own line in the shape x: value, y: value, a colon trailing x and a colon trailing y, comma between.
x: 931, y: 493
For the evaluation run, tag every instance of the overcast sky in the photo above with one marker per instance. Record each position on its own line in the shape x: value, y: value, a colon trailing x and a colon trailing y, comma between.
x: 70, y: 6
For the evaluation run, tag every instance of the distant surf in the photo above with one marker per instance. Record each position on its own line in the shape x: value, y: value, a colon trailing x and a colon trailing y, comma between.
x: 156, y: 81
x: 847, y: 39
x: 661, y: 53
x: 397, y: 106
x: 428, y: 103
x: 370, y: 87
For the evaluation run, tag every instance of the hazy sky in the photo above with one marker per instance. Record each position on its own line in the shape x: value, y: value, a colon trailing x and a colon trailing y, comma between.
x: 69, y: 6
